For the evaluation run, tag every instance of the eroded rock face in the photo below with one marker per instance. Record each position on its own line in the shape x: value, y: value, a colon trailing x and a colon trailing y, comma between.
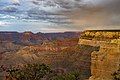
x: 107, y: 60
x: 29, y: 38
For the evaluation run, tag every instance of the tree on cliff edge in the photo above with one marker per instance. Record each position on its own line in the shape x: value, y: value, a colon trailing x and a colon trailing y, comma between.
x: 116, y: 75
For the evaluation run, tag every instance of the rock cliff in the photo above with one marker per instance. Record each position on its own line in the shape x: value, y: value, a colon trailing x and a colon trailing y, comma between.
x: 106, y: 60
x: 99, y: 50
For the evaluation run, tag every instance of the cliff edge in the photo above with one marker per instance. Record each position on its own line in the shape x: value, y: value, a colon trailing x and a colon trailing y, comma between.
x: 107, y: 60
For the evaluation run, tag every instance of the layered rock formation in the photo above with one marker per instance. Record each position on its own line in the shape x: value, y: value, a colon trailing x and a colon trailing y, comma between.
x: 11, y: 42
x: 107, y: 60
x: 22, y: 48
x: 60, y: 53
x: 68, y: 58
x: 29, y: 38
x: 98, y: 49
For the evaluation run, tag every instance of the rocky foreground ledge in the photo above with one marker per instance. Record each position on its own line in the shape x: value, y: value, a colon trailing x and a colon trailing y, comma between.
x: 107, y: 60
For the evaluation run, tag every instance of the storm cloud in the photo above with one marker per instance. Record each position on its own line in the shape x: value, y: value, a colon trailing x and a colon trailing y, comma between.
x: 96, y: 13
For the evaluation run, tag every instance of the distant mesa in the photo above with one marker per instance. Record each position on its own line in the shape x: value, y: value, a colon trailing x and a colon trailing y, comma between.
x: 28, y: 38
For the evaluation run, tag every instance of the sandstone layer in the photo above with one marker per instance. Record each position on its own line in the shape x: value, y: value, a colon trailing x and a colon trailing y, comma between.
x: 106, y: 60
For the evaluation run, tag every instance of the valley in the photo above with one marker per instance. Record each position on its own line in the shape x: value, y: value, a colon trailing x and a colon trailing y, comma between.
x: 90, y: 52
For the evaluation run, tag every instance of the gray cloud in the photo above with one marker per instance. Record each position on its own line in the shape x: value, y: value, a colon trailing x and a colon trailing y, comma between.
x: 109, y: 5
x: 112, y: 10
x: 96, y: 13
x: 76, y: 14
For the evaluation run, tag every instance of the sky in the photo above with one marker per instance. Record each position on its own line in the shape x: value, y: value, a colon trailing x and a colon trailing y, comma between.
x: 59, y: 15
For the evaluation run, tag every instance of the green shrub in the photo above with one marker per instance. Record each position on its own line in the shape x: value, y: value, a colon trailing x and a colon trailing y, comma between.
x: 29, y: 72
x: 68, y: 76
x: 116, y: 75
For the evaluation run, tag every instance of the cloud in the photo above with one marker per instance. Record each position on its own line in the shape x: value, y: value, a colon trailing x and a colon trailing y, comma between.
x: 15, y: 1
x: 96, y: 13
x: 74, y: 14
x: 2, y: 24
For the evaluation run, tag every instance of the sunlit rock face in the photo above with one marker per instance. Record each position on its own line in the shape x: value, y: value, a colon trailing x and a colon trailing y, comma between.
x: 106, y: 60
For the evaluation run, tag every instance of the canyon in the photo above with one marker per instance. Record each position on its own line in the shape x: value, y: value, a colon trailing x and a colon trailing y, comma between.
x: 95, y: 53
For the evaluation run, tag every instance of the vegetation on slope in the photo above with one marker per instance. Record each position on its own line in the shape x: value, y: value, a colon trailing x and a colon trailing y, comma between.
x: 39, y: 71
x: 70, y: 59
x: 116, y: 75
